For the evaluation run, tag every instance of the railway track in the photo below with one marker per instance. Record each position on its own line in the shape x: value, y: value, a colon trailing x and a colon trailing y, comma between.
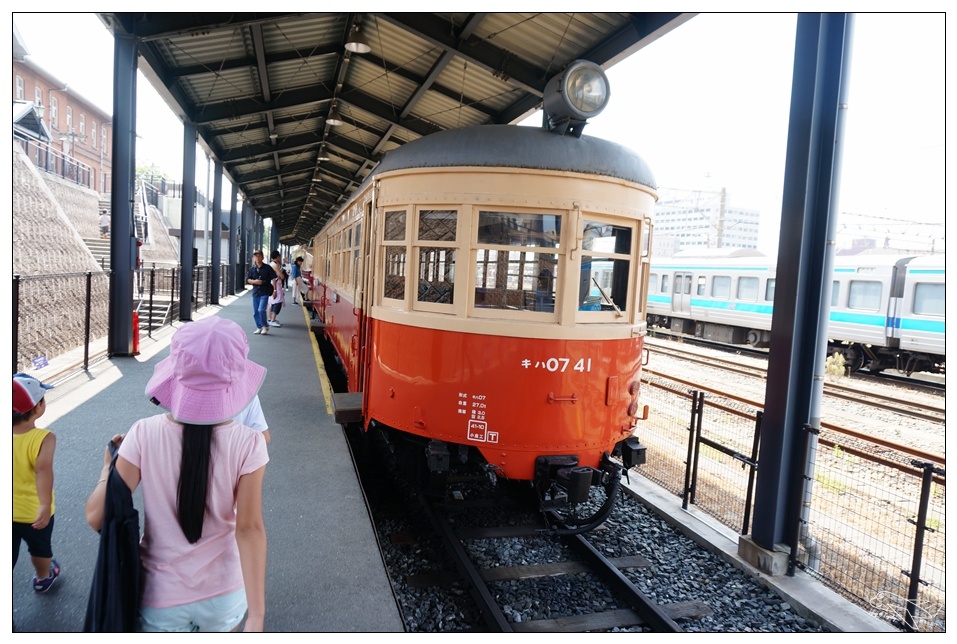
x: 887, y: 402
x: 627, y: 608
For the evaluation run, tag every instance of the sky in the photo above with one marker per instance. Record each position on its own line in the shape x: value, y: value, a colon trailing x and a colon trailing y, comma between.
x: 706, y: 106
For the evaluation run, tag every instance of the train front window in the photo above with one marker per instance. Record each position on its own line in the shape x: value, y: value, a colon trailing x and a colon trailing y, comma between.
x: 519, y: 229
x: 510, y: 271
x: 603, y: 284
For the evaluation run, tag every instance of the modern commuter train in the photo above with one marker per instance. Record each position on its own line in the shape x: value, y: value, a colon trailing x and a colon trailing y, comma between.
x: 887, y: 311
x: 458, y: 289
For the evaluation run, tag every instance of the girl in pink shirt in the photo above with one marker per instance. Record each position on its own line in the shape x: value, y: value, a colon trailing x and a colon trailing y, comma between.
x: 203, y: 550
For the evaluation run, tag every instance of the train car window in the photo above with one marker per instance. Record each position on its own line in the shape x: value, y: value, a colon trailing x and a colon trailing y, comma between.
x: 653, y: 283
x: 748, y: 289
x: 687, y: 289
x: 394, y: 226
x: 864, y: 295
x: 515, y: 276
x: 436, y: 260
x: 395, y: 255
x: 929, y: 300
x: 519, y: 229
x: 437, y: 225
x: 664, y: 283
x: 835, y: 294
x: 769, y: 290
x: 606, y: 268
x: 702, y: 281
x: 721, y: 287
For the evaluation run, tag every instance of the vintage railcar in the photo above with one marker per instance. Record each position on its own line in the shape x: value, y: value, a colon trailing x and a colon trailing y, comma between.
x: 484, y: 290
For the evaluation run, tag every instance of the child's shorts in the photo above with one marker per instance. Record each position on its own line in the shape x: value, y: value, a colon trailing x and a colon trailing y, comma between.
x: 38, y: 541
x: 214, y: 615
x: 276, y: 308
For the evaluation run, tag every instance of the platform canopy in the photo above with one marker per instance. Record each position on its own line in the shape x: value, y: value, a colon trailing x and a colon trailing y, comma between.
x: 300, y: 107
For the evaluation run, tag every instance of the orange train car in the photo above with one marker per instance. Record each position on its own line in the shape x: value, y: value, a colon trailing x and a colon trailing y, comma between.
x: 485, y: 290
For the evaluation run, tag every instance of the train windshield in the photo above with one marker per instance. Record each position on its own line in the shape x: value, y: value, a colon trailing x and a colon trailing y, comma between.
x: 516, y: 263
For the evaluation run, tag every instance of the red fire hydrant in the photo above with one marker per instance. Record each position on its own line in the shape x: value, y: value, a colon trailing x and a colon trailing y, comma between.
x: 136, y: 333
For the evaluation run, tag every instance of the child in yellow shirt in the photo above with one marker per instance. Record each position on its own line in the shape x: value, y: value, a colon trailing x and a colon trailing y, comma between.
x: 33, y: 505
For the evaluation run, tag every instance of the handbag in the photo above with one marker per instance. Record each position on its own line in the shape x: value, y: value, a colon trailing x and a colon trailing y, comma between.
x: 114, y: 602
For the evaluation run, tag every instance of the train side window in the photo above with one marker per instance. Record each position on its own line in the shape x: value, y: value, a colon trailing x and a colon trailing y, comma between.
x: 769, y: 290
x: 510, y: 271
x: 748, y: 289
x: 929, y: 299
x: 394, y: 254
x: 436, y: 260
x: 835, y: 294
x: 606, y: 269
x: 721, y: 287
x: 664, y: 283
x: 864, y: 295
x: 702, y: 280
x: 653, y: 283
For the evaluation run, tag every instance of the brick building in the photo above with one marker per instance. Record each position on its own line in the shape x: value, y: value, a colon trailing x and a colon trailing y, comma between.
x: 79, y: 129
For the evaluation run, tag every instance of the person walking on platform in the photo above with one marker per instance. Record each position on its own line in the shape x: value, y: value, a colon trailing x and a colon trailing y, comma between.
x: 203, y: 550
x: 33, y: 502
x: 278, y: 297
x: 261, y: 277
x: 297, y: 281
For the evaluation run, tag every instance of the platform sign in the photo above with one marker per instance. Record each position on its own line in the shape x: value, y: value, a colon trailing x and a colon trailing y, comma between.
x: 39, y: 362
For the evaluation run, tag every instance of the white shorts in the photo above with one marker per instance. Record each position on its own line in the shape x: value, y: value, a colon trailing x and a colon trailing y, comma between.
x: 215, y: 615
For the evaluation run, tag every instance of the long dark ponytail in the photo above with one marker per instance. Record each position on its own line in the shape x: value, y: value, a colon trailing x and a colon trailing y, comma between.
x: 194, y: 480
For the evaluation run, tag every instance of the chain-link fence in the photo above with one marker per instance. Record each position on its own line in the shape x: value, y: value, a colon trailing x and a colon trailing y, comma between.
x: 873, y: 529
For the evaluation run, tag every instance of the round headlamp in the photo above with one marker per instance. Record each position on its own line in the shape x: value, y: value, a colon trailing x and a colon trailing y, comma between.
x: 578, y: 93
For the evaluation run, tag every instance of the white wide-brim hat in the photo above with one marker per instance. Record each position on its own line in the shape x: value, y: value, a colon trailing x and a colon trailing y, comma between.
x: 207, y: 378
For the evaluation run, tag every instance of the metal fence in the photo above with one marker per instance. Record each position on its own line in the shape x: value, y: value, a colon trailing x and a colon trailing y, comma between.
x: 47, y: 158
x: 56, y: 314
x: 872, y: 530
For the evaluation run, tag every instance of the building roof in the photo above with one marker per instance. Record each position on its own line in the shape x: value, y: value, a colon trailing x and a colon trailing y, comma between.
x: 260, y: 87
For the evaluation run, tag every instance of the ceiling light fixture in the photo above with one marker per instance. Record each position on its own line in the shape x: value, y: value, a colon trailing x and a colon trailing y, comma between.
x: 357, y: 43
x: 333, y: 117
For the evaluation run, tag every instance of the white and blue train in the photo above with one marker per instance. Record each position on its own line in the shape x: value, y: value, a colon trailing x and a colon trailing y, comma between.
x: 887, y: 311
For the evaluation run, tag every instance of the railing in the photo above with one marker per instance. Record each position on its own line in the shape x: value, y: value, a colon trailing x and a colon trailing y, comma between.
x: 56, y: 314
x: 870, y: 529
x: 53, y: 161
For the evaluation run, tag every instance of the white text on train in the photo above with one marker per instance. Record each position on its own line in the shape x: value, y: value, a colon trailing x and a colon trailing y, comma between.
x: 558, y: 364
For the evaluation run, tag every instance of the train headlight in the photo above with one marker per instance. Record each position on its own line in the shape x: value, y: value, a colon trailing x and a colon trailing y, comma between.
x: 574, y: 96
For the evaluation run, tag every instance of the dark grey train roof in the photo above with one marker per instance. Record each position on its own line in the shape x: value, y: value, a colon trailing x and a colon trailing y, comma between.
x: 516, y: 146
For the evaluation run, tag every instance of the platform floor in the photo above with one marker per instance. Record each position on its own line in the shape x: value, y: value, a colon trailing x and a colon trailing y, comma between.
x: 324, y: 571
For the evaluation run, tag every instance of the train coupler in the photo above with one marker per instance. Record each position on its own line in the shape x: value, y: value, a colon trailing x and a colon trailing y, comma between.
x: 631, y: 452
x: 561, y: 482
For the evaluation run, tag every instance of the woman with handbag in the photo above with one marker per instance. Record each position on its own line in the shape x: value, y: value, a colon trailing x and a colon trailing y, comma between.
x: 203, y: 550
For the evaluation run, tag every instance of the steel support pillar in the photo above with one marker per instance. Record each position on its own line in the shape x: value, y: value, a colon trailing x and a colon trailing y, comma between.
x: 186, y: 242
x: 802, y: 290
x: 122, y: 233
x: 216, y: 252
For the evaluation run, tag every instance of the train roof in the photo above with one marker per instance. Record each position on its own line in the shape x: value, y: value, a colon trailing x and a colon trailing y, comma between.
x: 514, y: 146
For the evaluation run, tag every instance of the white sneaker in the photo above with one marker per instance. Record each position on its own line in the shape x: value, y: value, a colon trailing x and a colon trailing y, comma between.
x: 257, y: 331
x: 265, y: 330
x: 274, y: 323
